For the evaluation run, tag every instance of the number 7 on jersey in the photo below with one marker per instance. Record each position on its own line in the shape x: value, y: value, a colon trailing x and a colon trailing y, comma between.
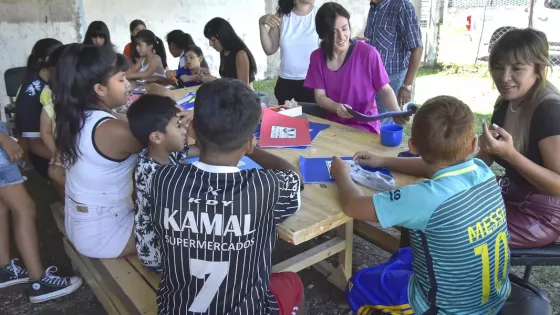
x: 218, y: 271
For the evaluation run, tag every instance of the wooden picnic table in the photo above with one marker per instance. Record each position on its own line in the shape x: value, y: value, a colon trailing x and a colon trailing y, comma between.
x: 124, y: 286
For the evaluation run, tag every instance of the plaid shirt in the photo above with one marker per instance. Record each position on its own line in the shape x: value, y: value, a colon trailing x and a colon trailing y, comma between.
x: 393, y: 29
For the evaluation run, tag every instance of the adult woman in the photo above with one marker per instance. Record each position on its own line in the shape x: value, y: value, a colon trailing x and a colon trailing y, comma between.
x: 525, y: 137
x: 292, y: 29
x: 236, y: 60
x: 129, y: 50
x: 97, y: 149
x: 34, y: 94
x: 98, y: 34
x: 346, y: 72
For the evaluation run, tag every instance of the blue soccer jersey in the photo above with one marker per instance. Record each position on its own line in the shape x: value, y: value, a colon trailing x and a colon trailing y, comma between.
x: 459, y: 239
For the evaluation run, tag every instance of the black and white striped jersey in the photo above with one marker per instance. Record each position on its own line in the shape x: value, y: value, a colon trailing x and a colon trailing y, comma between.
x: 216, y: 227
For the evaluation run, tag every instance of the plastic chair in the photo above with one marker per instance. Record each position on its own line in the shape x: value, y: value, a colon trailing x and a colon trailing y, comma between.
x: 542, y: 256
x: 13, y: 78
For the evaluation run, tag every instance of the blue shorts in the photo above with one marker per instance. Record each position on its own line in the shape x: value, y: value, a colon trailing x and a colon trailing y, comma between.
x: 9, y: 172
x: 382, y: 288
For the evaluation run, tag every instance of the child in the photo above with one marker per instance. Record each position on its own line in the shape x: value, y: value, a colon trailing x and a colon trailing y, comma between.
x: 152, y: 53
x: 98, y: 34
x: 216, y: 222
x: 161, y: 127
x: 33, y: 95
x: 191, y: 73
x: 47, y: 127
x: 456, y: 218
x: 98, y: 150
x: 135, y: 27
x: 43, y: 284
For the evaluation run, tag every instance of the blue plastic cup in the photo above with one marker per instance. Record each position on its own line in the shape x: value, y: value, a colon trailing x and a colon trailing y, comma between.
x: 391, y: 135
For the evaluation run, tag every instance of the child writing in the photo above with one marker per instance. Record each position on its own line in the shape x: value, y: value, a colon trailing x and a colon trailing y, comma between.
x: 215, y: 220
x: 15, y: 200
x: 161, y: 127
x: 152, y: 53
x: 97, y: 149
x: 192, y: 72
x: 456, y: 218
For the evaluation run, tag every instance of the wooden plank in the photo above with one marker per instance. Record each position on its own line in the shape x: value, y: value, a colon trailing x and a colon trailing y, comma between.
x: 112, y: 305
x: 346, y: 233
x: 151, y: 278
x: 312, y: 256
x: 376, y: 236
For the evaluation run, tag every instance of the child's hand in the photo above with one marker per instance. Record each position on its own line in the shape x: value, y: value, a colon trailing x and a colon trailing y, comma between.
x: 339, y: 168
x: 170, y: 74
x: 400, y: 120
x: 13, y: 149
x: 185, y: 117
x: 342, y: 112
x: 368, y: 159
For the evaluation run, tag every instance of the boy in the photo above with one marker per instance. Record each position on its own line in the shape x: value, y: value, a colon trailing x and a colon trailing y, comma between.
x: 456, y: 218
x: 160, y: 126
x: 215, y: 223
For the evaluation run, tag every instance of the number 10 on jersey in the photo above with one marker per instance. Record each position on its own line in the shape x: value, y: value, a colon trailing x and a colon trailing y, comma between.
x: 482, y: 251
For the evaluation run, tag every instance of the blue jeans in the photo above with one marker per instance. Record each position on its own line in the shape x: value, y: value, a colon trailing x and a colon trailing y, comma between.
x: 396, y: 81
x: 9, y: 172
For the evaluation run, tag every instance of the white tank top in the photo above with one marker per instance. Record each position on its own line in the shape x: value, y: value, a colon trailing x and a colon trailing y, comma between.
x: 144, y: 67
x: 96, y: 179
x: 298, y: 39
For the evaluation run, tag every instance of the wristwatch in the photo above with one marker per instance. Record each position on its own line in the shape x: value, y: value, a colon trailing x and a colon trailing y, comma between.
x: 408, y: 87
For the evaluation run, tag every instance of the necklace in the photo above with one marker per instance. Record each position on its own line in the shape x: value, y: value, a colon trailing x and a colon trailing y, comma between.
x: 511, y: 108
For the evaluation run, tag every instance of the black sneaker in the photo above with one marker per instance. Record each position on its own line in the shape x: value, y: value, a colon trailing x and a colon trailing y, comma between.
x: 12, y: 274
x: 52, y: 287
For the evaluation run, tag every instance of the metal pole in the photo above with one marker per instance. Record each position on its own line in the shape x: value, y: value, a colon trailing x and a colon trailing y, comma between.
x: 531, y: 4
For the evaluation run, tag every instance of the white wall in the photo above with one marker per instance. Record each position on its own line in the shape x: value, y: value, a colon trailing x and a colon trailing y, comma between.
x: 23, y: 22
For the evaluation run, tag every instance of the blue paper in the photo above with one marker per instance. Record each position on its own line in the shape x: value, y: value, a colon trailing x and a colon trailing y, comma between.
x: 314, y: 170
x: 187, y: 101
x: 244, y: 164
x: 411, y: 110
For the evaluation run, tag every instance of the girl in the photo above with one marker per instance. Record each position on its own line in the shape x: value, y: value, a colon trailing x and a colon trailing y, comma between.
x: 192, y: 72
x: 292, y: 29
x: 152, y: 53
x: 135, y: 27
x: 98, y: 34
x: 56, y: 171
x: 34, y: 94
x: 236, y: 60
x: 14, y: 200
x: 525, y: 137
x: 98, y: 150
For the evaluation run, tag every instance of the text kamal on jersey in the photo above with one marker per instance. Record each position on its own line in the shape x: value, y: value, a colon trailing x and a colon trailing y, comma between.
x: 238, y: 228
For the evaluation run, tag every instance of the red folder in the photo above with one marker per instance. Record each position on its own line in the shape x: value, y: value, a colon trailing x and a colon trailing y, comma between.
x: 279, y: 131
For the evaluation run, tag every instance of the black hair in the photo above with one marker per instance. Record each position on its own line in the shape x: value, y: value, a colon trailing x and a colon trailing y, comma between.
x: 183, y: 41
x: 51, y: 65
x: 79, y: 69
x: 98, y: 28
x: 324, y: 24
x: 285, y: 6
x: 180, y: 39
x: 134, y: 24
x: 41, y: 51
x: 150, y: 113
x: 195, y: 49
x: 226, y: 113
x: 150, y: 38
x: 223, y: 31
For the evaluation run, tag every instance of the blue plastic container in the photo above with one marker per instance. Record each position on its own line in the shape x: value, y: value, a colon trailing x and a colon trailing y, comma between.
x: 391, y: 135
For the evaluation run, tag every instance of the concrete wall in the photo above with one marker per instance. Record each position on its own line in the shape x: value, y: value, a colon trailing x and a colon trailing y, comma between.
x: 23, y: 22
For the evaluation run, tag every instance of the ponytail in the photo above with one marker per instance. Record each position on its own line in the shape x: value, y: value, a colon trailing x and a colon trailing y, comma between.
x: 41, y: 51
x: 160, y: 51
x: 150, y: 38
x: 79, y: 69
x: 285, y: 7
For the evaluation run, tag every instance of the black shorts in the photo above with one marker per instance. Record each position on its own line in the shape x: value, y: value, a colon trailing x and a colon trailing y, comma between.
x: 40, y: 164
x: 286, y: 90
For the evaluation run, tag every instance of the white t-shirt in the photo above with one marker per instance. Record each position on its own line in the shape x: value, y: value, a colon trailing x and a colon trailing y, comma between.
x: 298, y: 39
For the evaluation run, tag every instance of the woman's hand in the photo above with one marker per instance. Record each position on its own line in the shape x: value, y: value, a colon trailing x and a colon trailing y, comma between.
x: 401, y: 120
x: 342, y: 112
x: 369, y: 159
x: 496, y: 141
x: 270, y: 20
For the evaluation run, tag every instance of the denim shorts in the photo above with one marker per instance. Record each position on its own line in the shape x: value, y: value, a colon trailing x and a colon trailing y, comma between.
x: 9, y: 172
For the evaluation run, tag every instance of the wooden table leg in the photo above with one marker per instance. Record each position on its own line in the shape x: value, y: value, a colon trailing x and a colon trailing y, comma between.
x: 346, y: 232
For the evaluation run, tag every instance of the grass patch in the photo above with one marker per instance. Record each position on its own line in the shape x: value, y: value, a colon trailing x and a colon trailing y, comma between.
x: 265, y: 86
x: 479, y: 70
